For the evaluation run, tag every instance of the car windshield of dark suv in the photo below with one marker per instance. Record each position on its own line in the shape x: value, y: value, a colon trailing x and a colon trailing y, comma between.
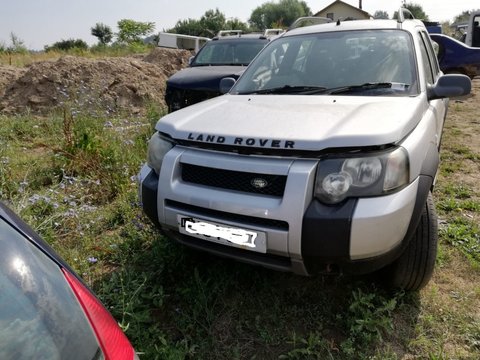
x: 228, y: 52
x: 367, y: 62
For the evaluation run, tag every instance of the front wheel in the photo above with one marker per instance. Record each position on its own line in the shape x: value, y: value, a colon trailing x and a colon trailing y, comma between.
x: 414, y: 268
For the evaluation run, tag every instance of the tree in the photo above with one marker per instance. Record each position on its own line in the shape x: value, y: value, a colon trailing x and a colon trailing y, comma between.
x: 103, y: 33
x: 187, y: 27
x: 462, y: 18
x: 381, y: 14
x: 283, y: 14
x: 69, y: 44
x: 17, y: 46
x: 209, y: 25
x: 212, y: 22
x: 131, y: 31
x: 236, y: 24
x: 416, y: 10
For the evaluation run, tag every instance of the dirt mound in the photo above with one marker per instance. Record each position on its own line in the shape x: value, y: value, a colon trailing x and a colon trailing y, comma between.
x: 9, y: 74
x: 106, y: 84
x: 170, y: 60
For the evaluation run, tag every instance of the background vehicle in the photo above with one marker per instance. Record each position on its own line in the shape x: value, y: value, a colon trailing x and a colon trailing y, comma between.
x: 324, y: 152
x: 459, y: 56
x: 180, y: 41
x: 224, y: 56
x: 46, y: 311
x: 455, y: 57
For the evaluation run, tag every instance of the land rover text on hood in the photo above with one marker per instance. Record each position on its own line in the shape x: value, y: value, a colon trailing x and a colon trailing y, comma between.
x: 320, y: 158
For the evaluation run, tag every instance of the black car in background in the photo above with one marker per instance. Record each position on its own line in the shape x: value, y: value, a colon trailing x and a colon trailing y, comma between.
x: 46, y: 311
x: 225, y: 55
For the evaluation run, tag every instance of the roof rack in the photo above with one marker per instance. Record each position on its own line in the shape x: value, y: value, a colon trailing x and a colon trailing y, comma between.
x: 309, y: 20
x: 230, y: 32
x: 403, y: 14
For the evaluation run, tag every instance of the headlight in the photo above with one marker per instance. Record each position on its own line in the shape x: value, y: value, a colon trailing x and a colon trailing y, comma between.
x: 372, y: 175
x: 157, y: 149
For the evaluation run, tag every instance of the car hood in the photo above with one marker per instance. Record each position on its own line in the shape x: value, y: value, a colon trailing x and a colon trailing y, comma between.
x: 203, y: 77
x: 296, y: 122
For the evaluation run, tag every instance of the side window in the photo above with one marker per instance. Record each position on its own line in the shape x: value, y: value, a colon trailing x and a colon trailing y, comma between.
x: 432, y: 53
x: 426, y: 61
x: 476, y: 32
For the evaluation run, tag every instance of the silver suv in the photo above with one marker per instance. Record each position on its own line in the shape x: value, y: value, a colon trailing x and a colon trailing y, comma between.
x: 321, y: 157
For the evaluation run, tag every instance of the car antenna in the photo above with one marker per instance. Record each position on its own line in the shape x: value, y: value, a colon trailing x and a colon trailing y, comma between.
x: 403, y: 14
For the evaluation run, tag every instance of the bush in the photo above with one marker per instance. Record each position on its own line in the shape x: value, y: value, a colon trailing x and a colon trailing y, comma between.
x: 70, y: 44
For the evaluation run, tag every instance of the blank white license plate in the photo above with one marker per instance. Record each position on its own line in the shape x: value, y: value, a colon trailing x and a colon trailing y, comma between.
x: 223, y: 234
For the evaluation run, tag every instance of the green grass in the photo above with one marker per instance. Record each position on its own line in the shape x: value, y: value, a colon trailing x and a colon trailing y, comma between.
x: 72, y: 177
x: 465, y: 235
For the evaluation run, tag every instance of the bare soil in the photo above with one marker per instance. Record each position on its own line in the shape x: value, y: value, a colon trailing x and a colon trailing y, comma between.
x: 8, y: 74
x: 115, y: 83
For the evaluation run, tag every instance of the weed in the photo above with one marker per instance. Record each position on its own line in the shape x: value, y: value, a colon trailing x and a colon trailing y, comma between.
x: 8, y: 186
x: 471, y: 205
x: 448, y: 205
x: 473, y: 335
x: 464, y: 234
x: 315, y: 346
x: 369, y: 318
x: 463, y: 150
x: 452, y: 205
x: 179, y: 350
x: 458, y: 191
x: 153, y: 113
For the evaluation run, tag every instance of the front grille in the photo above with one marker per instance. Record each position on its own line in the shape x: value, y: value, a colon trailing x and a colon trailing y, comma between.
x: 264, y: 184
x: 179, y: 98
x: 195, y: 96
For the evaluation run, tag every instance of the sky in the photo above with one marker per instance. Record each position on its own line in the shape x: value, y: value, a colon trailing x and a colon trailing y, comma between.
x: 42, y: 22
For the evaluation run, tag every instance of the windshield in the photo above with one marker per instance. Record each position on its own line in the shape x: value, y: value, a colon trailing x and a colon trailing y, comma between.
x: 371, y: 62
x: 226, y: 52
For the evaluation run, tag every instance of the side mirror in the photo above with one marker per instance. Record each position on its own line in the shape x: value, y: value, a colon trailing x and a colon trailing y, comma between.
x: 190, y: 60
x: 226, y: 84
x: 451, y: 85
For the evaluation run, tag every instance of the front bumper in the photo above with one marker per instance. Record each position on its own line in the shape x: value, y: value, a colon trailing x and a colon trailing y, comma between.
x: 303, y: 235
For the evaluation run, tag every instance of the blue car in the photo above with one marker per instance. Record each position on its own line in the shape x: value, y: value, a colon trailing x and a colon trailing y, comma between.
x: 456, y: 57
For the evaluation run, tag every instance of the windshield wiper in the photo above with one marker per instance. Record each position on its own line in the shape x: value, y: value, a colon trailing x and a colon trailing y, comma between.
x: 366, y: 86
x: 312, y: 90
x: 286, y: 89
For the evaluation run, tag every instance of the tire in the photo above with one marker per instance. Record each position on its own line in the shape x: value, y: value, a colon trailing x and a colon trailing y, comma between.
x: 414, y: 268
